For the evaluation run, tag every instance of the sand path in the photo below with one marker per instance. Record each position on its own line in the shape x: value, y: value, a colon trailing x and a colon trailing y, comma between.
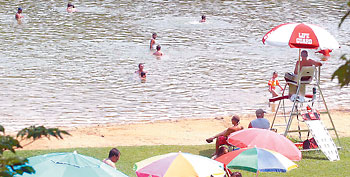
x: 179, y: 132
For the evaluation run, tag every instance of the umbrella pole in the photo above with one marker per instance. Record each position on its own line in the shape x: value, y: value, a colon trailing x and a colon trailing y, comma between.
x: 257, y: 173
x: 299, y: 61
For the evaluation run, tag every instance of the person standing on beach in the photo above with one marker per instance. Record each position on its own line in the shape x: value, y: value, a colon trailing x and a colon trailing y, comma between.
x: 113, y: 157
x: 153, y: 41
x: 19, y: 14
x: 222, y: 137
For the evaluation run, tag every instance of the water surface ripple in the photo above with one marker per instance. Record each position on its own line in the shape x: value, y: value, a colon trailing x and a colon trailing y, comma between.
x: 75, y: 69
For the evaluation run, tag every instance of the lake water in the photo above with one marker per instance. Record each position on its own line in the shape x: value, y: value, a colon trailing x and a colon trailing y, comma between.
x: 76, y: 69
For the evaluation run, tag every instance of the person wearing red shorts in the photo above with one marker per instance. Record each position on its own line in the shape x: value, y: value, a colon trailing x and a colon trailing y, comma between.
x: 222, y: 137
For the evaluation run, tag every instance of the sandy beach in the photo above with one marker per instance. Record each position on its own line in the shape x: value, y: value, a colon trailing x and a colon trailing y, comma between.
x: 177, y: 132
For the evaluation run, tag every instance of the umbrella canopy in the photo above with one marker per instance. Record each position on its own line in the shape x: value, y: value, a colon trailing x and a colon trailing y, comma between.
x: 178, y: 165
x: 257, y: 160
x: 256, y: 137
x: 69, y: 165
x: 300, y: 35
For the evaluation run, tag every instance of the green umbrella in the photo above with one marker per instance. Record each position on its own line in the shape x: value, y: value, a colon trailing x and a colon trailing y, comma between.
x: 69, y: 165
x: 257, y: 160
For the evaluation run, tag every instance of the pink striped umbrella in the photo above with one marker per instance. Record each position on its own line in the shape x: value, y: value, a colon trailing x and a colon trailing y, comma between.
x: 262, y: 138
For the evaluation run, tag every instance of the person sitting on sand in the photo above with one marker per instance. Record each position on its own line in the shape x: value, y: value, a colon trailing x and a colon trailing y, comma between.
x: 204, y: 18
x: 273, y: 82
x: 260, y: 121
x: 153, y: 41
x: 222, y: 150
x: 222, y: 137
x: 158, y: 52
x: 19, y: 14
x: 113, y: 157
x: 71, y: 8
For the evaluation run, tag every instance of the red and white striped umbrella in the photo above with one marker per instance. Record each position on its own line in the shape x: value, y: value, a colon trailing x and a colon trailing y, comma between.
x: 300, y: 35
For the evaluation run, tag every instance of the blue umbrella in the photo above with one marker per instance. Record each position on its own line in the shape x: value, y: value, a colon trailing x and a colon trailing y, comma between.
x: 69, y: 165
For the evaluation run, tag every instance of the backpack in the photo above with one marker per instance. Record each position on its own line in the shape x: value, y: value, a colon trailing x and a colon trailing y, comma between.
x: 310, y: 144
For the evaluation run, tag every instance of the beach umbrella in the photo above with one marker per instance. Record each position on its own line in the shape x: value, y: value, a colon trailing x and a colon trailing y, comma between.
x: 300, y: 35
x: 179, y: 165
x: 262, y: 138
x: 257, y: 160
x: 69, y: 165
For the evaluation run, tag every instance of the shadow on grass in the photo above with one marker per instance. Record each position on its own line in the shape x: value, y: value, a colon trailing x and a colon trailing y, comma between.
x: 207, y: 152
x: 314, y: 158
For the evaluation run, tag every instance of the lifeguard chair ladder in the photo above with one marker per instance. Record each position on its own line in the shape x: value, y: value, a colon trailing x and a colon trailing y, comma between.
x: 305, y: 77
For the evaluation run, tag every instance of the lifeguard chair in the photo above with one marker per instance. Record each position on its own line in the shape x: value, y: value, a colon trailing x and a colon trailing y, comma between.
x: 309, y: 76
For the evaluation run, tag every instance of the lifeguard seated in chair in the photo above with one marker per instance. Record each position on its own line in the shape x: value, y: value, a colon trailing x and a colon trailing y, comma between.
x: 305, y: 76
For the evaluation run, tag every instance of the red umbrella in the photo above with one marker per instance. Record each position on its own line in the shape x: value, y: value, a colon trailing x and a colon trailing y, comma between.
x: 300, y: 35
x: 262, y: 138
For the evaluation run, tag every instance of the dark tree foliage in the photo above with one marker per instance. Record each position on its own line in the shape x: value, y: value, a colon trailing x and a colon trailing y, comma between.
x: 343, y: 72
x: 11, y: 165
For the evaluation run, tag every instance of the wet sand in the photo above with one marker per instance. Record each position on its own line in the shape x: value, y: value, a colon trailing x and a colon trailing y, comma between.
x: 178, y: 132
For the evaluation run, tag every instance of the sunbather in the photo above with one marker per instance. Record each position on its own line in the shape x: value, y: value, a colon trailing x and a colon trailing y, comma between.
x: 222, y: 137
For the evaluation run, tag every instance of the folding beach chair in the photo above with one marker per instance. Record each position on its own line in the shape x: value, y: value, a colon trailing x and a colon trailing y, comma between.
x: 297, y: 87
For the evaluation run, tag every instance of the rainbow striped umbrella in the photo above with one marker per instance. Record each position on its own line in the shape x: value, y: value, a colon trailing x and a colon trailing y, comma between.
x: 257, y: 160
x: 179, y: 165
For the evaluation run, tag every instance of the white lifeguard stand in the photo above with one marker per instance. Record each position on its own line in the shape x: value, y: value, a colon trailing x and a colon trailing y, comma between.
x: 288, y: 110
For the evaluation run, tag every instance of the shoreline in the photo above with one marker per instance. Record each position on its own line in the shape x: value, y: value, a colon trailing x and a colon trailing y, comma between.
x: 185, y: 131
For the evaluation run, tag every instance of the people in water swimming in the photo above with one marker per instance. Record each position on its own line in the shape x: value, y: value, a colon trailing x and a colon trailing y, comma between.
x: 158, y: 52
x: 19, y: 14
x: 325, y: 54
x: 140, y: 71
x: 71, y: 8
x: 204, y: 18
x: 273, y: 82
x: 153, y: 41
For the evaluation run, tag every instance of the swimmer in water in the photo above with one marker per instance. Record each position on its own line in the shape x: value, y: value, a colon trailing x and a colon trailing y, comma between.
x: 140, y: 71
x: 71, y: 8
x: 203, y: 19
x: 153, y: 41
x: 325, y: 54
x: 143, y: 76
x: 19, y: 15
x: 158, y: 53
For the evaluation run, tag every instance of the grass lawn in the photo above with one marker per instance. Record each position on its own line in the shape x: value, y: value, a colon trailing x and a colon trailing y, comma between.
x: 312, y: 164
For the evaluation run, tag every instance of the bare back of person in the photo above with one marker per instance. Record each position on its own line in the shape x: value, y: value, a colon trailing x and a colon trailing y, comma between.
x: 307, y: 62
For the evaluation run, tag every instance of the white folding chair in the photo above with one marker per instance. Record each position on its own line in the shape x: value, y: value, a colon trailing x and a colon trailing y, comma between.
x: 304, y: 77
